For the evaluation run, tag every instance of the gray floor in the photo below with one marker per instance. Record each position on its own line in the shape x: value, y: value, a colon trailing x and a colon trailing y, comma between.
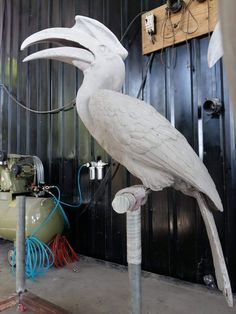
x: 99, y: 287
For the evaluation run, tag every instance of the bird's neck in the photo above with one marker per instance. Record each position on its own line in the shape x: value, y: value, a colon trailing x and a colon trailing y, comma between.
x: 82, y: 103
x: 99, y: 76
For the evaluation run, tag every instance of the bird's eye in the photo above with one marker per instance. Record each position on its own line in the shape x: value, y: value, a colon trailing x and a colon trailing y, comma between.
x: 102, y: 48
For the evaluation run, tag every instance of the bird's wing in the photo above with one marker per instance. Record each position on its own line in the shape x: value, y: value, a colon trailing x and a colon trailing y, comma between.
x: 132, y: 131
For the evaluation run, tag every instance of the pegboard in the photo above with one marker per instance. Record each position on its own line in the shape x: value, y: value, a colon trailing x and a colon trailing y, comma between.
x: 198, y: 18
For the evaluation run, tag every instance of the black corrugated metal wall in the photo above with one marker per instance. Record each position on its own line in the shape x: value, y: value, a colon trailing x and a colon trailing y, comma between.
x: 173, y: 235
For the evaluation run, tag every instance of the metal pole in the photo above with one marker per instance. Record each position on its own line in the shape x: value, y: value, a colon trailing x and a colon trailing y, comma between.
x: 129, y: 201
x: 135, y: 288
x: 20, y: 245
x: 133, y: 225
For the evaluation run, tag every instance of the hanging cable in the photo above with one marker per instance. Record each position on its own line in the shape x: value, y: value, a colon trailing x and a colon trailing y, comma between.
x: 186, y: 10
x: 167, y: 19
x: 176, y: 27
x: 130, y: 25
x: 145, y: 74
x: 70, y: 105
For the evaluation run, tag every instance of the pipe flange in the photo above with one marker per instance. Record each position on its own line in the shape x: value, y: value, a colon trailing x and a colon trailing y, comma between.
x: 213, y: 106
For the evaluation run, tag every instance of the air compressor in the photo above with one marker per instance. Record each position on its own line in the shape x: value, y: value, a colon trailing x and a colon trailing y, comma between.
x: 24, y: 175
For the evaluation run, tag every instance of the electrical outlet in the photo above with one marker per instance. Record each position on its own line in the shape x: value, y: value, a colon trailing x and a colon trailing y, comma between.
x: 150, y: 24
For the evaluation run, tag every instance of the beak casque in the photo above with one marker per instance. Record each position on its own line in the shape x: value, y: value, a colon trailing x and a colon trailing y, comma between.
x: 86, y: 33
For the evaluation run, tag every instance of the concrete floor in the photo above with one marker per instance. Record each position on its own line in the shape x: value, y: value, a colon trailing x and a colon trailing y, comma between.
x: 102, y: 288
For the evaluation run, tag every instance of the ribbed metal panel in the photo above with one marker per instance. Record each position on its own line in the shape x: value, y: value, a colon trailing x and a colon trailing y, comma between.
x: 173, y: 234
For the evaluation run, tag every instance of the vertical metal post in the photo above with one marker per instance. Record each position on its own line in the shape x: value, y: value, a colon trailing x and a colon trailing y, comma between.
x: 20, y: 245
x: 133, y: 224
x: 129, y: 201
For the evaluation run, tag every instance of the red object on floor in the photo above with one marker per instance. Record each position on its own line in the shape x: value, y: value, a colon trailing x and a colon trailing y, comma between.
x: 62, y: 251
x: 21, y: 307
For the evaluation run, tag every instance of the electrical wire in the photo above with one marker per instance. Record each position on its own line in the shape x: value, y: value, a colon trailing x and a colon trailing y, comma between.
x: 186, y: 10
x: 179, y: 26
x: 145, y: 74
x: 130, y: 25
x: 70, y: 105
x: 167, y: 19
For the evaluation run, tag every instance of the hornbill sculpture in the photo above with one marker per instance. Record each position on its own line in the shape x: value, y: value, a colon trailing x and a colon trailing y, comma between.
x: 130, y: 130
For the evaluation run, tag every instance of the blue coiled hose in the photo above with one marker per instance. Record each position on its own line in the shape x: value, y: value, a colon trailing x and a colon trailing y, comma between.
x: 39, y: 257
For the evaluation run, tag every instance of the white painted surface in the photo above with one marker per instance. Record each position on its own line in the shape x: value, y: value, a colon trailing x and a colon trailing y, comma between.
x: 130, y: 130
x: 215, y: 49
x: 129, y: 201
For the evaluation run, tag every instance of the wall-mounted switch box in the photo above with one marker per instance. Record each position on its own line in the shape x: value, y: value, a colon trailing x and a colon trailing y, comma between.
x: 162, y: 28
x: 150, y: 25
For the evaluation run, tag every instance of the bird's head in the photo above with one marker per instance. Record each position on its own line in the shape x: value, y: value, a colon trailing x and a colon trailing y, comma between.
x: 88, y: 45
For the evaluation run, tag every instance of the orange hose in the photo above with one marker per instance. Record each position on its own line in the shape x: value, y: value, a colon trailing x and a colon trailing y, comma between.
x: 62, y: 251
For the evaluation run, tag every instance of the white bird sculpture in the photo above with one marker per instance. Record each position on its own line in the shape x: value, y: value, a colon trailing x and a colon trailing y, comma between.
x: 130, y: 130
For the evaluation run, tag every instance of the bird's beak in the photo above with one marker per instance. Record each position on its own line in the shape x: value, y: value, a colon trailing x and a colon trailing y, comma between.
x: 71, y: 39
x: 87, y: 33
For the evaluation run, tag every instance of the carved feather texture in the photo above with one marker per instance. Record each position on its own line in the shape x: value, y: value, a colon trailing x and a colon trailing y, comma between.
x: 145, y: 142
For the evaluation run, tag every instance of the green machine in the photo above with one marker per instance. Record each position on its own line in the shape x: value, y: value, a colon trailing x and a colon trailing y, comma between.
x: 22, y: 174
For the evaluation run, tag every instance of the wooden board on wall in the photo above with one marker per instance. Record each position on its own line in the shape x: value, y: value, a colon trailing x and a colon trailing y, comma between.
x: 198, y: 18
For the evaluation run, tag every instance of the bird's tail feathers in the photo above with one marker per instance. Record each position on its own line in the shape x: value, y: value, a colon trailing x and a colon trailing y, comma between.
x: 217, y: 253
